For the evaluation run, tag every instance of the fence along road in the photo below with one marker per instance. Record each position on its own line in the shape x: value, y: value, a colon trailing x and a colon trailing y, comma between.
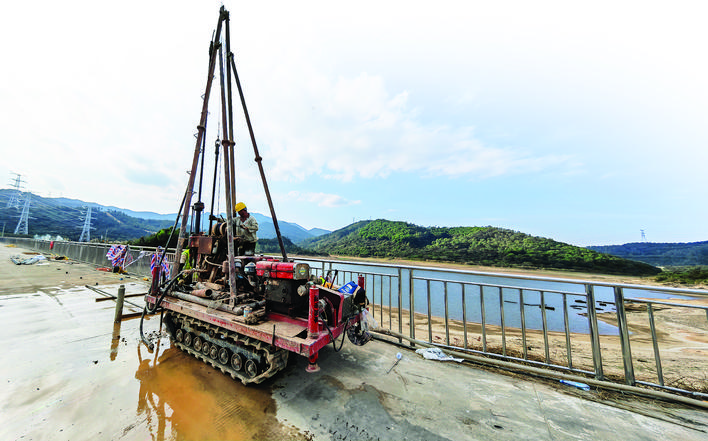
x: 614, y: 334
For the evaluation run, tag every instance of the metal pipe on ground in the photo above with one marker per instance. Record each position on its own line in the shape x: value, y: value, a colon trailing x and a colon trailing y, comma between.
x: 550, y: 374
x: 111, y: 296
x: 104, y: 299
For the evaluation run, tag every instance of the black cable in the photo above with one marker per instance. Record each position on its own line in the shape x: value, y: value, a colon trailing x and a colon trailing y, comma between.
x: 149, y: 344
x: 167, y: 287
x: 331, y: 336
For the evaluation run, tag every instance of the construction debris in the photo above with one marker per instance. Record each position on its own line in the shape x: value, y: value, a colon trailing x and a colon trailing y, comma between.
x: 18, y: 260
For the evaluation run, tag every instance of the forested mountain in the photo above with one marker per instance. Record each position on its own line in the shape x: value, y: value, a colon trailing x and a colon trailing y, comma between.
x: 65, y: 217
x: 472, y: 245
x: 68, y: 222
x: 660, y: 254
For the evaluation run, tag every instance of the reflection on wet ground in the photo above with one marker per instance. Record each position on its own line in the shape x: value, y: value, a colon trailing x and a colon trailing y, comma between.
x: 181, y: 396
x: 71, y: 373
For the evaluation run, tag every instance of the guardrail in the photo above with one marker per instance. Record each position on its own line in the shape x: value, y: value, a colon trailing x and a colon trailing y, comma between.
x: 631, y: 334
x: 92, y: 253
x: 574, y: 326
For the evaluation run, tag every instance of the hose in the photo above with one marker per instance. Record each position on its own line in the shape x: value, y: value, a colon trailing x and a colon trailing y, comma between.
x: 153, y: 310
x: 148, y: 343
x: 329, y: 331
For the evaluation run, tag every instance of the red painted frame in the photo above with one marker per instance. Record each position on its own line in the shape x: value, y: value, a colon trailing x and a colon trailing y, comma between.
x: 307, y: 347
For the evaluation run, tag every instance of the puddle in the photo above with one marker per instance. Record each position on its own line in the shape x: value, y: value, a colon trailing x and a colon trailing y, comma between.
x: 71, y: 373
x: 182, y: 398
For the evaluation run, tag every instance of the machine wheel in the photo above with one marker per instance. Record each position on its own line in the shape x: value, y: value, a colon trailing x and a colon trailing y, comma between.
x: 224, y: 356
x: 251, y: 368
x: 188, y: 339
x: 236, y: 362
x: 206, y: 348
x: 198, y: 344
x: 213, y: 352
x: 179, y: 335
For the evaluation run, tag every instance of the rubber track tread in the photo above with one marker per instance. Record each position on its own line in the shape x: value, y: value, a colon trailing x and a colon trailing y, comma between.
x: 274, y: 358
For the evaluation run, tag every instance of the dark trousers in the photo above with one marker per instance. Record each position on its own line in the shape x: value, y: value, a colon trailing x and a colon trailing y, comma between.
x: 243, y: 246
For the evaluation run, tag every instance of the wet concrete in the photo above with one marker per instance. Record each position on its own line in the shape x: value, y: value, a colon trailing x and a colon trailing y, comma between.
x: 69, y: 374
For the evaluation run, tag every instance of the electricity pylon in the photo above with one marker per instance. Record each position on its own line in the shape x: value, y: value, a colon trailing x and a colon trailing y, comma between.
x: 86, y: 231
x: 14, y: 200
x: 24, y: 217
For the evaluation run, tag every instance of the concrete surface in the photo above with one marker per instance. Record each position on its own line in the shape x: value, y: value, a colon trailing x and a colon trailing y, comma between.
x: 69, y: 374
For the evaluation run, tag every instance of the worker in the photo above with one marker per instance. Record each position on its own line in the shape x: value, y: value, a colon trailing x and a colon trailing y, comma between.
x: 185, y: 259
x: 245, y: 227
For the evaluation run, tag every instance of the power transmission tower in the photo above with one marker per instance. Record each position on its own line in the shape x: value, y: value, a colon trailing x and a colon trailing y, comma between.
x: 86, y: 231
x: 644, y: 236
x: 14, y: 200
x: 24, y: 217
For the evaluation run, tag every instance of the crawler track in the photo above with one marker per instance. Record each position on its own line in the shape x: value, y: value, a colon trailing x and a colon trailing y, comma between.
x: 242, y: 357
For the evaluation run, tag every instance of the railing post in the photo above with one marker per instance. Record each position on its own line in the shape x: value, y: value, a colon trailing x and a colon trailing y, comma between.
x: 464, y: 315
x: 624, y: 337
x: 119, y: 304
x: 566, y: 327
x: 544, y: 322
x: 483, y: 316
x: 594, y: 333
x: 411, y: 303
x: 501, y: 319
x: 655, y: 343
x: 400, y: 304
x: 447, y: 319
x: 430, y: 315
x: 522, y: 318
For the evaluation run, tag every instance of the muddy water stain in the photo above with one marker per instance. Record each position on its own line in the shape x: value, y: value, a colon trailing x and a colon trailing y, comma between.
x: 183, y: 398
x: 79, y: 377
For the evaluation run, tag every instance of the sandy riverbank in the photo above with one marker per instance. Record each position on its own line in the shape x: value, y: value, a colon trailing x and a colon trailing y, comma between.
x: 553, y: 273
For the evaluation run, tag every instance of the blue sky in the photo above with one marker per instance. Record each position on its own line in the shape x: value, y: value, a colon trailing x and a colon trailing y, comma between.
x: 584, y: 122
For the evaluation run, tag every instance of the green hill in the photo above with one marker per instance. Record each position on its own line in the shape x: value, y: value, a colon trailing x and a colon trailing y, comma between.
x: 660, y: 254
x: 471, y: 245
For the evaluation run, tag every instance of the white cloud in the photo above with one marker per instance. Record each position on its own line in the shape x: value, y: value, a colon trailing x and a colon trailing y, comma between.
x: 355, y: 127
x: 323, y: 199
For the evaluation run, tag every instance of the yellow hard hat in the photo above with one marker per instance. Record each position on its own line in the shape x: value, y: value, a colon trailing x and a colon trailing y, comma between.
x: 240, y: 206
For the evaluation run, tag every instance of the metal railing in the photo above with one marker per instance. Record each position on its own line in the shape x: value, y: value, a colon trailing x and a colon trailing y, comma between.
x: 92, y: 253
x: 613, y: 332
x: 575, y: 326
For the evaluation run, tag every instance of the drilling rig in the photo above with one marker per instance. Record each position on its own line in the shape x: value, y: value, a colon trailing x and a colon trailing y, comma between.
x: 243, y: 314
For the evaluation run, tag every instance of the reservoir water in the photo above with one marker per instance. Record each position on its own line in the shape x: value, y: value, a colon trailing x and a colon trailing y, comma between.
x: 493, y: 291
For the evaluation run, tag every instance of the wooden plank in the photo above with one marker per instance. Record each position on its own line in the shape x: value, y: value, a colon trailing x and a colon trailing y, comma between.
x: 103, y: 299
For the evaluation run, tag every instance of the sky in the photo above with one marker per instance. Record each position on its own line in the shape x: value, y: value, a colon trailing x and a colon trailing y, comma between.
x: 584, y: 122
